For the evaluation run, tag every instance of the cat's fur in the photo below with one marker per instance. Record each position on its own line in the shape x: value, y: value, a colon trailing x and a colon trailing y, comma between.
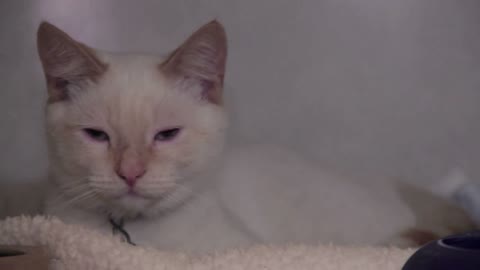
x: 189, y: 193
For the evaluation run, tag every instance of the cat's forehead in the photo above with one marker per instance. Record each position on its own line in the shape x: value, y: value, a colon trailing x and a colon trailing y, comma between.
x: 134, y: 77
x: 132, y: 70
x: 134, y: 90
x: 136, y: 60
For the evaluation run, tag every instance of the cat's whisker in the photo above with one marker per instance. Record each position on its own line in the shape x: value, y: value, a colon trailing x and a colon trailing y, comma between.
x: 91, y: 202
x: 64, y: 202
x: 74, y: 188
x: 69, y: 189
x: 103, y: 184
x: 81, y: 197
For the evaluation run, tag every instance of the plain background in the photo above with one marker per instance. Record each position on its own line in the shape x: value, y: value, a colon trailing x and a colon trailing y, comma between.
x: 383, y: 88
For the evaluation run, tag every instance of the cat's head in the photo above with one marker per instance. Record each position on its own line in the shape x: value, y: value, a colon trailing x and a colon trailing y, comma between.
x: 128, y: 133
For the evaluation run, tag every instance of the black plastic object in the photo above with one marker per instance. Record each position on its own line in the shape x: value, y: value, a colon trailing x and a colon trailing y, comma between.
x: 460, y: 252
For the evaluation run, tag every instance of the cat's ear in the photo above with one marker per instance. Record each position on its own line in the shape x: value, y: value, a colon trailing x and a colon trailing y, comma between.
x: 65, y: 62
x: 202, y: 58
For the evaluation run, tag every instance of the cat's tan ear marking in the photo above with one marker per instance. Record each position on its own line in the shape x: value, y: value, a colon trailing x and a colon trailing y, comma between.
x: 65, y: 61
x: 202, y: 57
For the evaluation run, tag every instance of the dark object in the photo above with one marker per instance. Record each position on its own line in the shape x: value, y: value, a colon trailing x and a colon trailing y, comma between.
x: 454, y: 252
x: 23, y: 258
x: 117, y: 227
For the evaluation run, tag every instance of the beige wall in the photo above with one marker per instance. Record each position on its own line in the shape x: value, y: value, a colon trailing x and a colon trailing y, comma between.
x: 375, y: 87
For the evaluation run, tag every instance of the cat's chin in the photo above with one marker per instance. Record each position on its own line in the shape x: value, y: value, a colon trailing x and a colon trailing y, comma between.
x: 128, y: 195
x: 135, y: 204
x: 133, y: 198
x: 130, y: 205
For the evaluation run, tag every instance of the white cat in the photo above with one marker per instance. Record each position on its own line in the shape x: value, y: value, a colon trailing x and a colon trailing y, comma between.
x: 136, y: 143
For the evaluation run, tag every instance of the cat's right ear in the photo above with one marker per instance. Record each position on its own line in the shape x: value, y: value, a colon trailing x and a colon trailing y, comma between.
x: 65, y: 62
x: 202, y: 58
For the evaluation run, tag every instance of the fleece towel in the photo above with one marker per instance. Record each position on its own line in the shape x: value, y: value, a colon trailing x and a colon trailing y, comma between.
x: 72, y: 247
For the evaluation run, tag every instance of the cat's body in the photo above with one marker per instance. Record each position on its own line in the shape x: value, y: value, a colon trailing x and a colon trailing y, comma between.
x: 140, y: 139
x: 265, y: 195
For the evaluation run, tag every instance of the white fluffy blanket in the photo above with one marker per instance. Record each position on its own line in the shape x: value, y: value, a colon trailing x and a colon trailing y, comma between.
x: 74, y: 247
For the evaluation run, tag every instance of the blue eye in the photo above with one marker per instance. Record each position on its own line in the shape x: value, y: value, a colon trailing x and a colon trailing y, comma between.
x: 167, y: 134
x: 96, y: 134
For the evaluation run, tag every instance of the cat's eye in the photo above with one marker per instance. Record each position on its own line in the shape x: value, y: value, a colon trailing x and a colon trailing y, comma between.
x: 96, y: 134
x: 167, y: 134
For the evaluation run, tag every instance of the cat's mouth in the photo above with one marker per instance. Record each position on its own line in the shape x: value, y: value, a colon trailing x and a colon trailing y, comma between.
x: 133, y: 200
x: 138, y: 194
x: 132, y: 193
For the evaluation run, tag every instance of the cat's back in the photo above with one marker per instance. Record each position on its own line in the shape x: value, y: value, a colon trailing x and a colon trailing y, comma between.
x: 281, y: 197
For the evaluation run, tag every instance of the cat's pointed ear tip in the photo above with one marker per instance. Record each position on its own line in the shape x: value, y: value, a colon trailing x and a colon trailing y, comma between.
x: 215, y: 24
x: 45, y: 26
x: 45, y: 29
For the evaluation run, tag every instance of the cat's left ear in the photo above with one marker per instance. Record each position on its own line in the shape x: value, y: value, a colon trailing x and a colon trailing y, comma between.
x: 65, y: 62
x: 201, y: 58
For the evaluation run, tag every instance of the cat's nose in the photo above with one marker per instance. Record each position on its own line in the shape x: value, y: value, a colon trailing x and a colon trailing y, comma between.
x: 131, y: 174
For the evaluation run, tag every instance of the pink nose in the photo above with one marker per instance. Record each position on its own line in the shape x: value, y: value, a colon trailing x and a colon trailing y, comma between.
x: 131, y: 174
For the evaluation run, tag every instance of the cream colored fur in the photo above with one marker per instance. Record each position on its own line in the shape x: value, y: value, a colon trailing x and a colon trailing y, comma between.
x: 132, y: 102
x: 193, y: 196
